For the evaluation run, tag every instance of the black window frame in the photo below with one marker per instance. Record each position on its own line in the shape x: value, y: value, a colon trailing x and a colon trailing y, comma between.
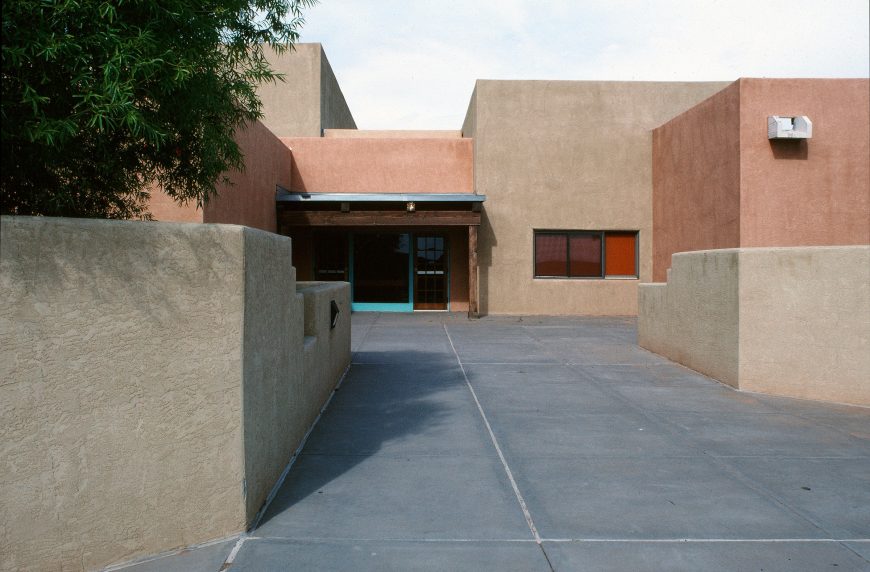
x: 602, y: 235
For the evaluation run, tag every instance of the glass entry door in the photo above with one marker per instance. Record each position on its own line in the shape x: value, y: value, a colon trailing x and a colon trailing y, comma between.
x: 381, y: 268
x: 430, y: 273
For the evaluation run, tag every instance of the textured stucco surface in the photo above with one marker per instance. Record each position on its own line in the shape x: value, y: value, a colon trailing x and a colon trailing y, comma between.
x: 805, y: 322
x: 292, y: 106
x: 150, y: 374
x: 694, y: 318
x: 813, y: 192
x: 334, y: 112
x: 350, y: 165
x: 120, y: 363
x: 327, y: 350
x: 249, y: 199
x: 696, y: 180
x: 796, y: 322
x: 308, y: 100
x: 565, y: 155
x: 272, y: 379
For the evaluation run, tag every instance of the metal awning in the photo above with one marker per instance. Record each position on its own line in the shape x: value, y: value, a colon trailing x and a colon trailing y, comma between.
x: 283, y: 195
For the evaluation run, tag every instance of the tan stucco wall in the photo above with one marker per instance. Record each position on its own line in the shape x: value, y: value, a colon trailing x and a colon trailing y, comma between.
x: 805, y: 322
x: 309, y: 100
x: 348, y: 165
x: 149, y: 375
x: 334, y: 112
x: 693, y: 319
x: 249, y: 198
x: 810, y: 192
x: 790, y: 321
x: 292, y: 107
x: 565, y: 155
x: 274, y: 417
x: 696, y: 180
x: 326, y: 350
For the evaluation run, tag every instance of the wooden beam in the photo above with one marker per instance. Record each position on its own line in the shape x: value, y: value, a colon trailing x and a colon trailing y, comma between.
x: 379, y: 218
x: 473, y: 290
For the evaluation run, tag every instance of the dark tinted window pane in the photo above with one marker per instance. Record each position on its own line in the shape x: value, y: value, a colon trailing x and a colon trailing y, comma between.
x: 619, y: 253
x: 551, y: 255
x: 380, y: 268
x: 330, y: 256
x: 586, y: 255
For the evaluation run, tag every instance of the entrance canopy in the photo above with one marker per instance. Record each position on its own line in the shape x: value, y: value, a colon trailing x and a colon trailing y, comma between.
x: 377, y: 209
x: 400, y: 251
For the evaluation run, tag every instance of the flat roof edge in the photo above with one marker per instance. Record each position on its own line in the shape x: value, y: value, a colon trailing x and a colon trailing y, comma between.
x: 283, y: 195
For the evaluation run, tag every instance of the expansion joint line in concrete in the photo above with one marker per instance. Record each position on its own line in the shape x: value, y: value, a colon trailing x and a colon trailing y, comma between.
x: 662, y: 421
x: 280, y: 482
x: 495, y: 444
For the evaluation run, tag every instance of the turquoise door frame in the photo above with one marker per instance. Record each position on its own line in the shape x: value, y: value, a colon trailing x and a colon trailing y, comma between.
x: 382, y: 306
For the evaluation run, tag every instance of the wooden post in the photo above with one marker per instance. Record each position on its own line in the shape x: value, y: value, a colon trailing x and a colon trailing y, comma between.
x: 473, y: 290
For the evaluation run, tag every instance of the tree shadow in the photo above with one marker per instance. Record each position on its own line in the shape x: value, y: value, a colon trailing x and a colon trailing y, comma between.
x: 397, y: 403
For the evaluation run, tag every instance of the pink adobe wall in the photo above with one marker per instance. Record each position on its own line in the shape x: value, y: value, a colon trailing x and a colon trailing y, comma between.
x: 352, y: 165
x: 250, y: 200
x: 812, y: 192
x: 696, y: 180
x: 164, y: 208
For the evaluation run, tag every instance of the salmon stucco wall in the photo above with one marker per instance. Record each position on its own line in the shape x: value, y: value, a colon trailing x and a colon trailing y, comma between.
x: 696, y: 180
x: 719, y: 182
x: 336, y: 165
x: 805, y: 192
x: 250, y: 198
x: 166, y: 209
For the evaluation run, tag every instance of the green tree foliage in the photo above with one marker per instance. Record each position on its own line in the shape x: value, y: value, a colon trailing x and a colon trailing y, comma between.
x: 103, y: 100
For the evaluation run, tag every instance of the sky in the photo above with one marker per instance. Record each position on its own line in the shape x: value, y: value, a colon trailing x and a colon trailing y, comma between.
x: 412, y: 64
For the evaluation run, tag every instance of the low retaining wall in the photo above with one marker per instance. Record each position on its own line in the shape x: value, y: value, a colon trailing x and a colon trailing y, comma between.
x: 153, y: 383
x: 784, y: 321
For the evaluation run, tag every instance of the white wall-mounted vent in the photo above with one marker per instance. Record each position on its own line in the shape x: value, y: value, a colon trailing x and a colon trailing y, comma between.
x: 786, y: 127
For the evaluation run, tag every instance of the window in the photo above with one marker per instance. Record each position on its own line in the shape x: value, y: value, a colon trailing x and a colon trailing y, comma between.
x: 585, y: 254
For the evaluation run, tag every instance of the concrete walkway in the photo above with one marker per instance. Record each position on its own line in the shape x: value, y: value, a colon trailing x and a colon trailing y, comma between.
x: 555, y: 444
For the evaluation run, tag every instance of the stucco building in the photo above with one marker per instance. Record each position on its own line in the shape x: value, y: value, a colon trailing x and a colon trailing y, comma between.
x: 554, y: 197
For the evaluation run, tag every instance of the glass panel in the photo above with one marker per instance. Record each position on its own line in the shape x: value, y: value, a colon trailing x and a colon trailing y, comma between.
x: 620, y: 253
x: 551, y: 255
x: 586, y: 255
x: 330, y: 256
x: 380, y: 268
x: 430, y: 273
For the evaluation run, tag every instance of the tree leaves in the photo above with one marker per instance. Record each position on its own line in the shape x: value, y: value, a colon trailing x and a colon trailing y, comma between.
x: 103, y: 100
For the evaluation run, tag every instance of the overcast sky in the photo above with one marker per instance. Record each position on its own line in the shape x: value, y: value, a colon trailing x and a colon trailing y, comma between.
x: 411, y: 64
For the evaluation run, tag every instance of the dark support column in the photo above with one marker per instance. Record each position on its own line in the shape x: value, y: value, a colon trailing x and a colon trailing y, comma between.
x: 473, y: 290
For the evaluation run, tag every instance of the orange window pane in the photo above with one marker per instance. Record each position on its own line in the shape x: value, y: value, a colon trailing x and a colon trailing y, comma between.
x: 586, y: 255
x: 620, y: 254
x: 551, y: 255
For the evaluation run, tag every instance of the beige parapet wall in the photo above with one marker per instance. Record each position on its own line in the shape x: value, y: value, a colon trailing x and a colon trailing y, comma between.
x: 155, y: 380
x: 784, y: 321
